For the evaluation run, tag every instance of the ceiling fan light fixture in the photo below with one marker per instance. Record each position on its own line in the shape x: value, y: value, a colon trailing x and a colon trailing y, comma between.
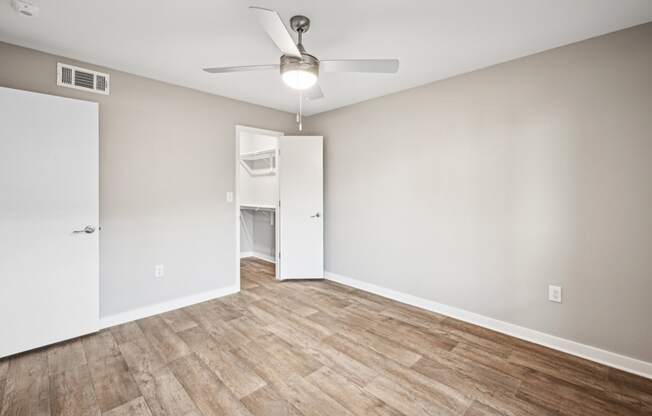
x: 299, y: 79
x: 299, y: 73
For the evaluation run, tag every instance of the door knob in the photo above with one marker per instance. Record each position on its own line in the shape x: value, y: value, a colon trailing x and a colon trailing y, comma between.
x: 317, y: 215
x: 88, y: 230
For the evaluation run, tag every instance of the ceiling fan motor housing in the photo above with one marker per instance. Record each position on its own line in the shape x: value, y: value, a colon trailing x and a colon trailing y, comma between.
x: 300, y: 23
x: 306, y: 63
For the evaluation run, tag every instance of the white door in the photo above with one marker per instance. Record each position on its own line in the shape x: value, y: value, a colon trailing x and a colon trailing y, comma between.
x: 49, y: 277
x: 301, y: 199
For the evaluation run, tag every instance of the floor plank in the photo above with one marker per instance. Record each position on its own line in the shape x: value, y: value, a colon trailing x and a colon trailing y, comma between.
x: 161, y: 390
x: 480, y: 409
x: 404, y: 399
x: 100, y: 346
x: 205, y: 388
x: 65, y: 356
x: 164, y: 395
x: 163, y: 339
x: 114, y: 383
x: 233, y: 372
x: 27, y: 386
x: 33, y: 400
x: 267, y: 402
x: 4, y: 365
x: 136, y: 407
x: 179, y: 320
x: 126, y: 332
x: 349, y: 395
x: 72, y: 393
x: 3, y: 382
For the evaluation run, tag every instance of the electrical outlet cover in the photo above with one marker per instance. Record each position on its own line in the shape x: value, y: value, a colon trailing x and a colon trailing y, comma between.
x: 554, y: 293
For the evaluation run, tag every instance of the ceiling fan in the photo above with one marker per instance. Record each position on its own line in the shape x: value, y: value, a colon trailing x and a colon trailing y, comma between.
x: 299, y: 69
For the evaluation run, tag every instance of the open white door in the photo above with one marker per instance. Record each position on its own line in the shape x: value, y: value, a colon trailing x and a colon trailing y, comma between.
x: 301, y: 199
x: 49, y: 253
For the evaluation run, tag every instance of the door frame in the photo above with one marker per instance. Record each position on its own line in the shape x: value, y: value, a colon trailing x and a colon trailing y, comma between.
x: 248, y: 129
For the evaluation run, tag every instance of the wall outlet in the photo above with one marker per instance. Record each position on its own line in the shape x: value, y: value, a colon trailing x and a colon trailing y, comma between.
x: 554, y: 293
x: 159, y: 271
x: 229, y: 197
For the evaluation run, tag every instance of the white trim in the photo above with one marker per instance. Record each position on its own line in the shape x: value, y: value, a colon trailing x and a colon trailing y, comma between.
x: 258, y: 255
x: 611, y: 359
x: 157, y: 308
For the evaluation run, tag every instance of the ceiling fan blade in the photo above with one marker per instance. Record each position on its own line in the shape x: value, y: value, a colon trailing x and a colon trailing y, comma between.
x: 388, y: 66
x: 314, y: 93
x: 273, y: 25
x: 245, y: 68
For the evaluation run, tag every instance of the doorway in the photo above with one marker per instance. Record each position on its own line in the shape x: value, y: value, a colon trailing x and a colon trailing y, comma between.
x: 279, y: 204
x: 257, y: 197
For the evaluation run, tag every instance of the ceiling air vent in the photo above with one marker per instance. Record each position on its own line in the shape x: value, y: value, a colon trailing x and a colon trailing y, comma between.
x: 82, y: 79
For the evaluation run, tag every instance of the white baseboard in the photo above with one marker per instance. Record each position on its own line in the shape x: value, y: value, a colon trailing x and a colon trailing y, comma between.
x: 588, y: 352
x: 150, y: 310
x: 257, y: 255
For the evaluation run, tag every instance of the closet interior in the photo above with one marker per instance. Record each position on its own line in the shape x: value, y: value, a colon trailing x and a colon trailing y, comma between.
x: 258, y: 181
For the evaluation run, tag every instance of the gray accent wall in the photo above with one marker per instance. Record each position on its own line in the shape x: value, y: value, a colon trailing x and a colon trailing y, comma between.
x: 264, y: 240
x: 257, y: 235
x: 167, y: 159
x: 480, y: 190
x: 246, y: 231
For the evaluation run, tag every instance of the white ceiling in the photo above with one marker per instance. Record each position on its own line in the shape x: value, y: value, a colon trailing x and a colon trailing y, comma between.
x: 171, y: 40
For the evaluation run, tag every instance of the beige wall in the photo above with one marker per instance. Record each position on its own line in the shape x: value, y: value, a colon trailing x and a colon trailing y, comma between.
x: 480, y: 190
x: 167, y: 160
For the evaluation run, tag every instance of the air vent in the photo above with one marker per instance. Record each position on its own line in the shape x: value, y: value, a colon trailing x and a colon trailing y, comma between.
x: 101, y: 82
x: 82, y: 79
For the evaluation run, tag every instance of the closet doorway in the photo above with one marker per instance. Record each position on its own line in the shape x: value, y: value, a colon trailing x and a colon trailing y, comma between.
x: 279, y: 202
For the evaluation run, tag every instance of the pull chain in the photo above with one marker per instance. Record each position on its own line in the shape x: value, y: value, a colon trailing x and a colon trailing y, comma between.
x: 300, y: 114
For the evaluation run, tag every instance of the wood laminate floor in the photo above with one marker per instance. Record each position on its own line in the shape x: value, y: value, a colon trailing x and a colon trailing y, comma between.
x: 309, y: 348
